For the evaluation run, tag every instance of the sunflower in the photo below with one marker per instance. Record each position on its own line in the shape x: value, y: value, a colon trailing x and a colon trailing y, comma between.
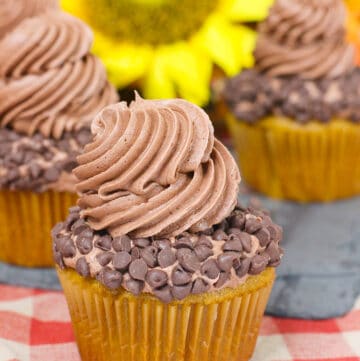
x: 169, y: 48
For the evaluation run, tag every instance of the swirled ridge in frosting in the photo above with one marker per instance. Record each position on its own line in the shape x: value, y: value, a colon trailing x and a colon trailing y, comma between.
x: 12, y: 12
x: 51, y: 82
x: 155, y: 168
x: 306, y: 38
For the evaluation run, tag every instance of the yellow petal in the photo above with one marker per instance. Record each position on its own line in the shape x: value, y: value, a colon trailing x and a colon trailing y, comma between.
x: 157, y: 84
x: 181, y: 71
x: 230, y: 46
x: 246, y: 10
x: 125, y: 63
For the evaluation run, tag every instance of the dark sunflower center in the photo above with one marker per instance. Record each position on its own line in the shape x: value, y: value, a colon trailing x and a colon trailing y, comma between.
x: 149, y: 22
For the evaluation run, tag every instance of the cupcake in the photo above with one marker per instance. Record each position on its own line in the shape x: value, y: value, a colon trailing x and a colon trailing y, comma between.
x: 157, y: 260
x: 50, y: 89
x: 295, y: 118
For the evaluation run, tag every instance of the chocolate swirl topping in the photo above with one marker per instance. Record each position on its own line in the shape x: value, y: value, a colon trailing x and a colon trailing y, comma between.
x: 306, y: 38
x: 12, y: 12
x: 51, y: 82
x: 155, y: 168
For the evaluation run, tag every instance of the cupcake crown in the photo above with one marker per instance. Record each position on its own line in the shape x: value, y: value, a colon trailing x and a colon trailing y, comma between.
x: 155, y: 169
x: 306, y: 38
x: 51, y: 84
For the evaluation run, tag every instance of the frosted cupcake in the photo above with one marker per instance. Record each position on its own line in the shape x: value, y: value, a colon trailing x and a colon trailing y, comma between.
x: 158, y: 261
x: 296, y: 118
x: 50, y: 89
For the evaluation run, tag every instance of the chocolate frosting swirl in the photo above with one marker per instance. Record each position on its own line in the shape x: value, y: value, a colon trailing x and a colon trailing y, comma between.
x: 12, y: 12
x: 155, y: 168
x: 51, y: 82
x: 306, y: 38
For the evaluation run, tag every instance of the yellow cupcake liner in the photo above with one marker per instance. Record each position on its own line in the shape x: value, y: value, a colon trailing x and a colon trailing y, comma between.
x: 26, y: 220
x: 217, y: 326
x: 303, y: 162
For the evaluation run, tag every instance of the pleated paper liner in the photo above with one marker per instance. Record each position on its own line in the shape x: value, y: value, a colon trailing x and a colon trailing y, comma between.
x: 303, y: 162
x: 218, y: 326
x: 26, y: 220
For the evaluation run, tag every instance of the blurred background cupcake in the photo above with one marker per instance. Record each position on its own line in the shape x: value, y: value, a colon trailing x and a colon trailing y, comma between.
x: 167, y: 48
x: 50, y: 89
x: 295, y: 118
x: 158, y: 261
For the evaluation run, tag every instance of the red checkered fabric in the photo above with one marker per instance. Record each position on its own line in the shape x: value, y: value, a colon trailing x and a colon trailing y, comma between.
x: 35, y: 326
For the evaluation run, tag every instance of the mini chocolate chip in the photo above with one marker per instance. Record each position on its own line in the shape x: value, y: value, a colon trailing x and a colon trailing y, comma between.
x: 223, y: 278
x: 121, y: 260
x: 163, y: 294
x: 134, y: 286
x: 135, y: 253
x: 104, y: 243
x: 80, y: 222
x: 219, y: 235
x: 35, y: 170
x: 263, y: 235
x: 210, y: 269
x: 141, y: 242
x: 84, y: 244
x: 258, y: 264
x: 59, y: 260
x: 149, y: 254
x: 57, y: 229
x: 156, y: 278
x: 203, y: 252
x: 166, y: 257
x: 70, y: 220
x: 110, y: 278
x: 200, y: 286
x: 82, y: 267
x: 83, y: 228
x: 226, y: 261
x: 245, y: 239
x: 104, y: 258
x: 188, y: 259
x: 234, y: 232
x: 180, y: 277
x: 138, y: 269
x: 122, y: 243
x: 244, y: 267
x: 233, y: 244
x: 51, y: 174
x: 237, y: 221
x: 203, y: 240
x: 67, y: 248
x: 180, y: 292
x: 253, y: 224
x: 183, y: 242
x: 275, y: 232
x: 87, y: 232
x: 162, y: 243
x: 273, y: 251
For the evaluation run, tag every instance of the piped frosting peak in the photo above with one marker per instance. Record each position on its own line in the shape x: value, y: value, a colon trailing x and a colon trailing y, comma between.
x: 155, y: 169
x: 306, y: 38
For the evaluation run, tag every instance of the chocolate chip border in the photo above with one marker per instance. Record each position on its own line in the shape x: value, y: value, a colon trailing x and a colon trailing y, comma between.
x: 31, y: 162
x: 170, y: 268
x: 252, y: 96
